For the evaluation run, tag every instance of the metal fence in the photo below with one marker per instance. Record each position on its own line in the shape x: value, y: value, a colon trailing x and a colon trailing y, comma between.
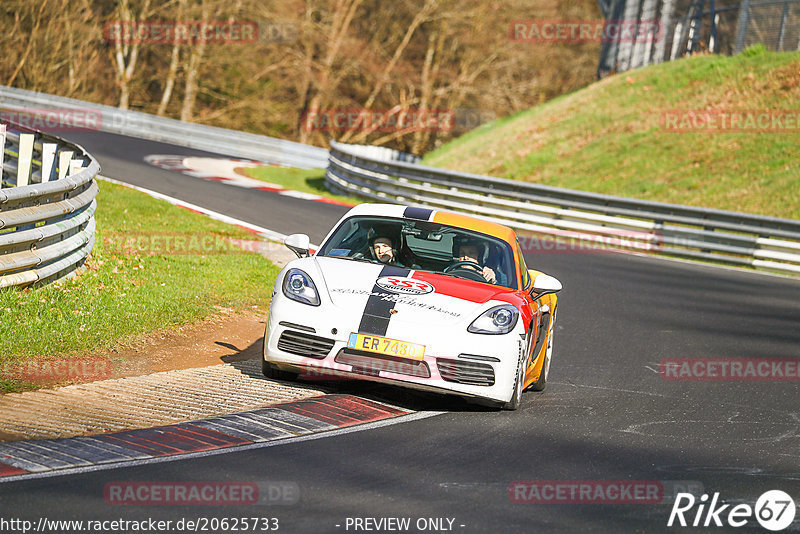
x: 146, y: 126
x: 689, y: 26
x: 572, y: 220
x: 47, y: 205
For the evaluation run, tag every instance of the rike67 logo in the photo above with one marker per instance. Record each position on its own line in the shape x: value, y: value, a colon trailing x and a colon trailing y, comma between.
x: 774, y: 510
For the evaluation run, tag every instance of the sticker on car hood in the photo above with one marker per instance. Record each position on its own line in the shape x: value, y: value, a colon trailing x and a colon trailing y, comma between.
x: 404, y: 285
x: 406, y: 300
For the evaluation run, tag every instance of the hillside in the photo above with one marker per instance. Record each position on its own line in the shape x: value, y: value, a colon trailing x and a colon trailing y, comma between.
x: 617, y: 136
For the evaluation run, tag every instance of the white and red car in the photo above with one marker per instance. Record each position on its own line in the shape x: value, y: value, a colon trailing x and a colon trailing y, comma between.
x: 420, y: 317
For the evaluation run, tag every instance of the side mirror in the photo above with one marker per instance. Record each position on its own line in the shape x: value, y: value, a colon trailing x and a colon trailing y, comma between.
x: 298, y: 243
x: 543, y: 285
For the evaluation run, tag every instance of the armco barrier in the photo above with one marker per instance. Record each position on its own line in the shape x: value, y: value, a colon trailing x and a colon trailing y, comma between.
x: 571, y: 216
x: 145, y: 126
x: 47, y: 205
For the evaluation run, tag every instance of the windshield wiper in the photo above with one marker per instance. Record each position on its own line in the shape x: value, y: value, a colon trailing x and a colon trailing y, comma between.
x: 366, y: 260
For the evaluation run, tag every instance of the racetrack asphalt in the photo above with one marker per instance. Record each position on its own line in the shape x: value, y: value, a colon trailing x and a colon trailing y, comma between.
x: 122, y: 158
x: 607, y: 414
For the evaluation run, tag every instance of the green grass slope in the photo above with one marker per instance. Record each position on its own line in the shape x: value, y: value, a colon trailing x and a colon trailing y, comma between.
x: 610, y: 137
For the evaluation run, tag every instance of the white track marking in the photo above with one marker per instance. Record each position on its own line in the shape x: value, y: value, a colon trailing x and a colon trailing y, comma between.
x: 266, y: 232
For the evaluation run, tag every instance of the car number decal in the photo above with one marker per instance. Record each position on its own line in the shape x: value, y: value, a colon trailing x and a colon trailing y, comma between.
x: 404, y: 285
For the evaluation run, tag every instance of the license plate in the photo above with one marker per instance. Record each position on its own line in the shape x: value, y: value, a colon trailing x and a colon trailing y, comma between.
x: 386, y: 346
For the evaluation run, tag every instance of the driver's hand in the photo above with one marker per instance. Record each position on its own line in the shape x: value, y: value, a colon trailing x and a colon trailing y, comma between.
x: 489, y: 275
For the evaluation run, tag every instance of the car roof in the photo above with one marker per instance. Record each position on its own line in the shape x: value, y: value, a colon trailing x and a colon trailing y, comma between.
x: 449, y: 218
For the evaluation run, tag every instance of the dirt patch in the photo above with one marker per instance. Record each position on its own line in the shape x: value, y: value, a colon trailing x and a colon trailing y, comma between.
x: 224, y: 338
x: 228, y: 336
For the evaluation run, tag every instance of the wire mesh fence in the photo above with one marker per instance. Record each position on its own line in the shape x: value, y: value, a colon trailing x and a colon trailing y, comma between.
x: 691, y: 26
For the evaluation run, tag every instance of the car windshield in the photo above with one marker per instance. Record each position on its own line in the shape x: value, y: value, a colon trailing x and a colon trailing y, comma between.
x: 424, y: 246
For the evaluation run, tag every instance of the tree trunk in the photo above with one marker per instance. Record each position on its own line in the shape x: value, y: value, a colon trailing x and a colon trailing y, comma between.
x: 126, y: 54
x: 195, y: 60
x: 420, y: 17
x: 174, y: 61
x: 343, y: 16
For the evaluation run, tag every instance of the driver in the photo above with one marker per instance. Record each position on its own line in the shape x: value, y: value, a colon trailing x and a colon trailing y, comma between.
x: 469, y: 250
x: 383, y: 243
x: 383, y: 249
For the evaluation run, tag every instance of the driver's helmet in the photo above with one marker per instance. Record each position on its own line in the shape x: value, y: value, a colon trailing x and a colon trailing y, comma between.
x: 390, y: 232
x: 465, y: 240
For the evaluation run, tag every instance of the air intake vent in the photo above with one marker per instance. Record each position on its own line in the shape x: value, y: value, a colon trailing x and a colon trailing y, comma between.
x: 472, y: 373
x: 372, y: 364
x: 304, y: 344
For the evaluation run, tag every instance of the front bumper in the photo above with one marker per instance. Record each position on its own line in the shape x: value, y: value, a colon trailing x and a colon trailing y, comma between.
x: 313, y: 341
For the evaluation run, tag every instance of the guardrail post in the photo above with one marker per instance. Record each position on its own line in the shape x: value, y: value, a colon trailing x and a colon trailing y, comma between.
x: 741, y: 26
x: 24, y: 159
x: 75, y: 166
x: 677, y: 35
x: 2, y: 150
x: 48, y: 161
x: 782, y: 31
x: 63, y: 163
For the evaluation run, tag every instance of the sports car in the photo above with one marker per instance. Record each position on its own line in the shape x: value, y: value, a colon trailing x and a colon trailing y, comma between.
x: 415, y: 297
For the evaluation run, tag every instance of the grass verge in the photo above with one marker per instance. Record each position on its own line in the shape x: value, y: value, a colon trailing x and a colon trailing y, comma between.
x: 302, y: 180
x: 609, y: 137
x: 153, y: 266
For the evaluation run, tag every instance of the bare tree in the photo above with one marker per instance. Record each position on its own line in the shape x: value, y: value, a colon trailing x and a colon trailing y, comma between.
x: 420, y: 16
x: 400, y: 58
x: 126, y: 53
x: 30, y: 42
x: 327, y: 79
x: 174, y: 62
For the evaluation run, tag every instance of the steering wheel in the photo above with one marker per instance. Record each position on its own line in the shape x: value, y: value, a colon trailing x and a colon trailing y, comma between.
x: 461, y: 264
x: 469, y: 274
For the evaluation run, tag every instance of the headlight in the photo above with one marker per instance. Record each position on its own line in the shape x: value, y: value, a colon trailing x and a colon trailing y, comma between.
x: 298, y: 286
x: 499, y: 320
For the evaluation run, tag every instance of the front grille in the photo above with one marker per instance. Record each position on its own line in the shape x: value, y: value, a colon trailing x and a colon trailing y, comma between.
x: 472, y: 373
x: 304, y: 344
x: 371, y: 364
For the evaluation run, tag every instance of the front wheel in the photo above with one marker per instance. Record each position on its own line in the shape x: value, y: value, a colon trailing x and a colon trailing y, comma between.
x: 270, y: 371
x: 541, y: 383
x: 519, y: 383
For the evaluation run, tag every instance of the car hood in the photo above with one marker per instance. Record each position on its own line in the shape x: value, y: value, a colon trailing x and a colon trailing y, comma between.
x: 351, y: 284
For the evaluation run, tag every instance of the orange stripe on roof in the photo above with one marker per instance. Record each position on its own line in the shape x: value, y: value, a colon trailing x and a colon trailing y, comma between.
x: 478, y: 225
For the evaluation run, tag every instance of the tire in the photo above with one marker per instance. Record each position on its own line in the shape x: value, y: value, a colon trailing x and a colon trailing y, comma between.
x: 270, y: 371
x: 541, y: 383
x: 519, y: 382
